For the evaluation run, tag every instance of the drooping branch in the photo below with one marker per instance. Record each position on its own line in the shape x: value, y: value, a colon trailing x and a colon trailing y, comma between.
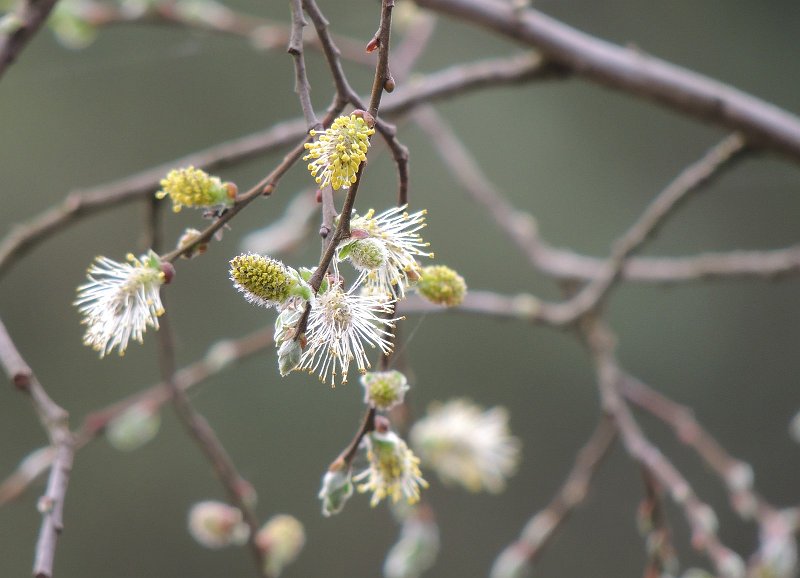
x: 54, y: 419
x: 542, y: 527
x: 690, y: 180
x: 632, y: 71
x: 444, y: 84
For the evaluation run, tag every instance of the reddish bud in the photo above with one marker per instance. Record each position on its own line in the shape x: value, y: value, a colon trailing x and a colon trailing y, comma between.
x: 232, y: 190
x: 389, y: 85
x: 373, y: 44
x: 168, y: 270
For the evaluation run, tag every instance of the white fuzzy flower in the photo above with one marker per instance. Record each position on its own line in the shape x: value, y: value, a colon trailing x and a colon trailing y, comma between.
x: 216, y: 524
x: 339, y: 325
x: 396, y: 232
x: 467, y: 445
x: 393, y: 470
x: 120, y: 301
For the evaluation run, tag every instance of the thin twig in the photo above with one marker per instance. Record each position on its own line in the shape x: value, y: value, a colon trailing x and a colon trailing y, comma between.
x: 301, y: 85
x: 27, y: 20
x: 239, y: 490
x: 634, y: 72
x: 54, y: 419
x: 690, y: 180
x: 444, y: 84
x: 542, y: 527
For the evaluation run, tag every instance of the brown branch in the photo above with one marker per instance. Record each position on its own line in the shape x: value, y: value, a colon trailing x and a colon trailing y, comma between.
x: 521, y: 227
x: 690, y: 180
x: 239, y: 490
x: 542, y: 527
x: 261, y: 32
x: 301, y: 85
x: 54, y: 419
x: 699, y: 515
x: 735, y: 474
x: 344, y: 90
x: 632, y: 71
x: 27, y: 21
x: 221, y: 355
x: 78, y: 204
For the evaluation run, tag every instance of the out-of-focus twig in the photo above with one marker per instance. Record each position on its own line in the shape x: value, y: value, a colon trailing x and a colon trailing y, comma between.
x: 22, y: 25
x: 221, y: 355
x: 212, y: 17
x: 542, y: 527
x: 239, y: 490
x: 55, y: 421
x: 632, y: 71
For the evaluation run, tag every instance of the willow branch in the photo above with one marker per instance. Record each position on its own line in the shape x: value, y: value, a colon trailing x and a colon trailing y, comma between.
x: 221, y: 355
x: 260, y: 32
x: 689, y: 181
x: 634, y: 72
x: 27, y: 21
x: 701, y: 518
x: 301, y: 85
x: 239, y: 490
x: 542, y: 527
x: 54, y: 419
x: 82, y: 203
x: 735, y: 474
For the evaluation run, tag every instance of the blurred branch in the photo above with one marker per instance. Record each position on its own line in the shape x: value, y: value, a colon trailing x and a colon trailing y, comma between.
x: 521, y: 227
x: 212, y: 17
x: 661, y: 559
x: 542, y: 527
x: 54, y: 420
x: 465, y: 168
x: 735, y: 474
x: 632, y: 71
x: 220, y: 356
x: 239, y: 490
x: 20, y: 27
x: 690, y: 180
x: 78, y: 204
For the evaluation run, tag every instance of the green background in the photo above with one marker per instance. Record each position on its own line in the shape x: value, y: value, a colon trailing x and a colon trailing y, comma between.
x: 583, y: 159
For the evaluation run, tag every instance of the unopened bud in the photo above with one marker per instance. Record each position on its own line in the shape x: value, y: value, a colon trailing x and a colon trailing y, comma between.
x: 384, y: 389
x: 289, y: 354
x: 441, y: 285
x: 337, y: 487
x: 281, y: 539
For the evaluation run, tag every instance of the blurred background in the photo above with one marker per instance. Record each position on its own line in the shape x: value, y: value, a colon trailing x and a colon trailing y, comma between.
x: 585, y: 161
